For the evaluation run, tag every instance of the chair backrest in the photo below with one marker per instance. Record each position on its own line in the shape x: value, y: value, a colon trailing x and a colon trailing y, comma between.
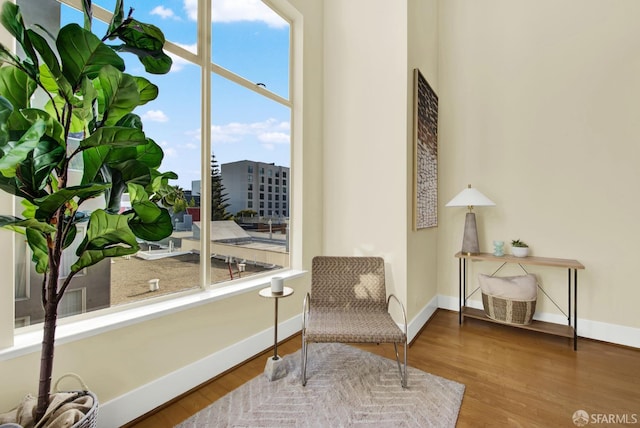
x: 348, y: 283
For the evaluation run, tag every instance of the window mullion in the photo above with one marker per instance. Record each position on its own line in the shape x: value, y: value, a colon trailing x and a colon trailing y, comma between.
x: 204, y: 54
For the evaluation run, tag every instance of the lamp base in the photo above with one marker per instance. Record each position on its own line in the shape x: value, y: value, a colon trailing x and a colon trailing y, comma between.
x: 470, y: 239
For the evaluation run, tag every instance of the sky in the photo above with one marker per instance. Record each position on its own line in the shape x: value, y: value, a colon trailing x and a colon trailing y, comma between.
x: 250, y: 40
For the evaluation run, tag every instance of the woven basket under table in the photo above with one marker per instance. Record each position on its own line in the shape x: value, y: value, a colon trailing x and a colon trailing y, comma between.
x: 509, y: 311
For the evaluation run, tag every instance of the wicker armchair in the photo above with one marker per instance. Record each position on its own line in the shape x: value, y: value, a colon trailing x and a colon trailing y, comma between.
x: 348, y: 304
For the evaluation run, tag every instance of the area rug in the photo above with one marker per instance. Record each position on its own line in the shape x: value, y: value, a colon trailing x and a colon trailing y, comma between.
x: 346, y: 387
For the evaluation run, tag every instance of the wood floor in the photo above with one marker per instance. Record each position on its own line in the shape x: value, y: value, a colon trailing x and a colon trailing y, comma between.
x: 513, y: 377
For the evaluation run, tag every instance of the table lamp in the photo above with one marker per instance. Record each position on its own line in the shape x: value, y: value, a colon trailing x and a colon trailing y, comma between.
x: 469, y: 198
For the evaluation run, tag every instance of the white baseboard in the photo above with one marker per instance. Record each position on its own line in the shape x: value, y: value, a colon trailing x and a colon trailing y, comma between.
x: 612, y: 333
x: 136, y: 403
x: 416, y: 324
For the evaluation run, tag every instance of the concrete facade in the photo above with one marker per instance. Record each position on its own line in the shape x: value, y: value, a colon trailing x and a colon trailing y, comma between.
x: 258, y: 186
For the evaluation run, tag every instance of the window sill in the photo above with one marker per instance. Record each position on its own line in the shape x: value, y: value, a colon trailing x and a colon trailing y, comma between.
x: 87, y: 325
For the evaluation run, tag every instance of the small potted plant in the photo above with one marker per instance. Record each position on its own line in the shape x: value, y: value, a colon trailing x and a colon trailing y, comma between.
x: 519, y: 248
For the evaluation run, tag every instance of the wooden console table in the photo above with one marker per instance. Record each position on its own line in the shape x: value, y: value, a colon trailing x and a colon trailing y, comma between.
x: 570, y: 330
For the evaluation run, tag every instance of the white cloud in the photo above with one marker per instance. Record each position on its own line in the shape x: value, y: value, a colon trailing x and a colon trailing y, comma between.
x: 268, y: 132
x: 274, y: 137
x: 191, y: 7
x: 163, y: 12
x: 238, y: 10
x: 155, y: 116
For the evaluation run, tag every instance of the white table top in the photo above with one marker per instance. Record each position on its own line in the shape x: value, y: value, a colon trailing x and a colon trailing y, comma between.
x: 266, y: 292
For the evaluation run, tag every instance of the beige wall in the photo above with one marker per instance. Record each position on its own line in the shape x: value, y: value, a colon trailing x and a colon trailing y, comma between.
x: 422, y: 16
x: 365, y: 133
x: 539, y: 107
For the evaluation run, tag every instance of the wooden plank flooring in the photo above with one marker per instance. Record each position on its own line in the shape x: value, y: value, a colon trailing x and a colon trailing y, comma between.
x: 513, y: 377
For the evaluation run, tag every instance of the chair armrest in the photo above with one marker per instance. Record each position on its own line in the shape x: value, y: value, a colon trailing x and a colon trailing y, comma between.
x: 404, y: 313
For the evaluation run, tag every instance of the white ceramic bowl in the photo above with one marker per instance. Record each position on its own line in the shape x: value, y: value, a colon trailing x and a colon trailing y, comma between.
x: 520, y: 251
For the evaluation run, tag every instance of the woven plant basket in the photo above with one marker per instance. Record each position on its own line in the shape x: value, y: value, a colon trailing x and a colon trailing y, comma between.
x: 90, y: 419
x: 507, y: 310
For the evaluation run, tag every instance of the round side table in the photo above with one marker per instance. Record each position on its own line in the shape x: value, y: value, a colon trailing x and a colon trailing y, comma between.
x: 274, y: 368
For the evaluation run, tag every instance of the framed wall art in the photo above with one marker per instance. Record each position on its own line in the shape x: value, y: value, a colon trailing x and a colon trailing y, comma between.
x: 425, y: 169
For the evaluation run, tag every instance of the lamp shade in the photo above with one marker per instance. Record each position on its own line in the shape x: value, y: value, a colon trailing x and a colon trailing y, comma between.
x: 470, y: 197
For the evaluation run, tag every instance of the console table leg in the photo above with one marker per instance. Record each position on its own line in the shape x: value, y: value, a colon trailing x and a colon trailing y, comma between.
x: 575, y: 310
x: 460, y: 291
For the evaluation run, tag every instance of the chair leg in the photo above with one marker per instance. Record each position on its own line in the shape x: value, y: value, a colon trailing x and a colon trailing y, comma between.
x: 403, y: 373
x: 303, y: 365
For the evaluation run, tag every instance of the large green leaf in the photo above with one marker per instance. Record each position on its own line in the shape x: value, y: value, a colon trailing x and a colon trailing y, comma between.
x: 8, y: 56
x: 51, y: 65
x: 88, y: 15
x: 146, y: 211
x: 114, y: 136
x: 6, y: 109
x: 8, y: 221
x: 83, y: 54
x: 134, y: 171
x: 159, y: 229
x: 21, y: 149
x: 148, y: 91
x: 93, y: 159
x: 39, y: 249
x: 53, y: 129
x: 11, y: 19
x: 145, y: 41
x: 120, y: 95
x: 130, y: 120
x: 48, y: 205
x: 56, y: 108
x: 16, y: 86
x: 150, y: 154
x: 117, y: 17
x: 108, y: 235
x: 35, y: 170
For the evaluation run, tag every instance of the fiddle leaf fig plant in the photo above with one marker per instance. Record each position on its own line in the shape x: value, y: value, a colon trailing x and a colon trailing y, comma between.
x: 86, y: 93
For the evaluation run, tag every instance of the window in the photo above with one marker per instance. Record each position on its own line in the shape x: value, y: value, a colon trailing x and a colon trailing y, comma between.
x: 277, y: 181
x: 239, y: 114
x: 270, y: 181
x: 270, y: 189
x: 284, y: 175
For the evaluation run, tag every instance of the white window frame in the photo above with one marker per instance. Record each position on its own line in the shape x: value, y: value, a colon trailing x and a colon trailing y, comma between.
x: 72, y: 328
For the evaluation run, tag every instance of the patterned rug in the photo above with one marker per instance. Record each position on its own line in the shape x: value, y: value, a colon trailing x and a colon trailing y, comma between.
x: 346, y: 387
